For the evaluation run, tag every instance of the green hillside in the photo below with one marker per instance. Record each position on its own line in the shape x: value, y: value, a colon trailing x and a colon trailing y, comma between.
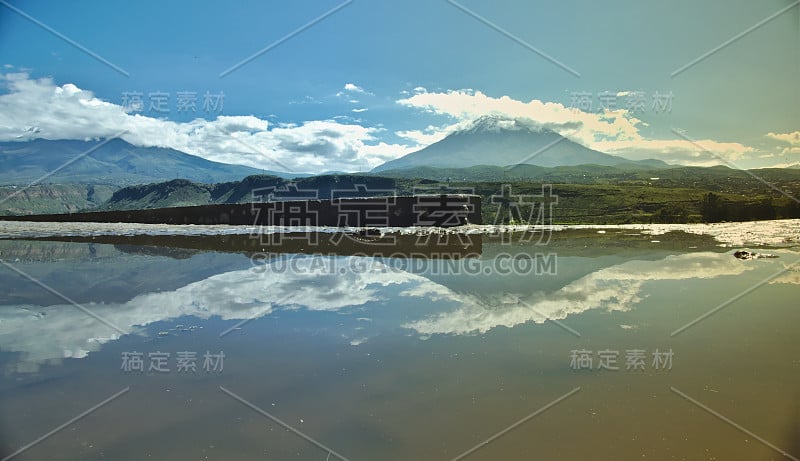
x: 720, y: 194
x: 52, y: 198
x: 586, y: 194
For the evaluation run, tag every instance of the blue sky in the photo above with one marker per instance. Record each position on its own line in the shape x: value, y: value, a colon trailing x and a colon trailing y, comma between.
x: 377, y: 79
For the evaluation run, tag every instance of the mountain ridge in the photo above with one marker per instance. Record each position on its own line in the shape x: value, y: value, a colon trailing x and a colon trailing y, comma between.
x: 181, y: 192
x: 114, y: 161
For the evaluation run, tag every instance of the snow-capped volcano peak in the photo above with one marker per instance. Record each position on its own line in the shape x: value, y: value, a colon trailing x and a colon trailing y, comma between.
x: 496, y: 123
x: 504, y: 141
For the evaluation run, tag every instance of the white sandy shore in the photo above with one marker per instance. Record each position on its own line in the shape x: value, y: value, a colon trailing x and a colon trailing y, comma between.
x: 782, y: 233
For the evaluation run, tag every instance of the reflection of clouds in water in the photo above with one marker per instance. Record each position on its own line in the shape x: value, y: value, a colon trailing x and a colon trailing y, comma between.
x: 48, y: 334
x: 792, y: 274
x: 615, y: 288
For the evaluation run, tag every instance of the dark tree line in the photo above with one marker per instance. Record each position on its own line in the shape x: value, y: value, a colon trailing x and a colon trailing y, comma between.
x: 715, y: 208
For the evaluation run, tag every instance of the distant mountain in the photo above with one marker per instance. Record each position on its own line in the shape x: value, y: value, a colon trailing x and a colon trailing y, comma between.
x: 115, y: 162
x: 495, y: 140
x: 717, y: 178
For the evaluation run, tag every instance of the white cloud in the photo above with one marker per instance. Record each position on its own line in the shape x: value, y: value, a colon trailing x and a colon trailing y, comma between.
x: 354, y: 88
x: 385, y: 152
x: 428, y: 135
x: 788, y: 138
x: 792, y: 139
x: 616, y: 132
x: 695, y: 153
x: 41, y: 109
x: 307, y: 100
x: 470, y: 105
x: 358, y: 111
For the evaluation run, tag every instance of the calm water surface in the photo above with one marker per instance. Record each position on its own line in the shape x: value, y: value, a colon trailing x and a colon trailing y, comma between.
x: 387, y: 359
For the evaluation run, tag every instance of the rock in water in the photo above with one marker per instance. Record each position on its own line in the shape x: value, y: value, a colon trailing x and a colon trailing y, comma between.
x: 746, y: 255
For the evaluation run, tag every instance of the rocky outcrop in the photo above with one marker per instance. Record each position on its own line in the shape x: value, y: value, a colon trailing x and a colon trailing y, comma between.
x: 747, y: 255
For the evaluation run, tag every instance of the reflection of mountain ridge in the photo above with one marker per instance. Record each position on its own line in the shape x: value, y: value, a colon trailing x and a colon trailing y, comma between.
x: 335, y: 243
x: 39, y: 251
x: 109, y: 276
x: 596, y: 251
x: 589, y: 243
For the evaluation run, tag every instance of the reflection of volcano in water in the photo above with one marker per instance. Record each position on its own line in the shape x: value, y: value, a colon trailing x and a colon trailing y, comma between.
x: 364, y: 287
x: 615, y: 288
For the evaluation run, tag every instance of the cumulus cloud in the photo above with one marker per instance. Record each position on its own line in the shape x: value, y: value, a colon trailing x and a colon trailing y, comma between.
x: 788, y: 138
x: 470, y: 105
x: 429, y: 134
x: 39, y: 108
x: 616, y: 132
x: 789, y: 143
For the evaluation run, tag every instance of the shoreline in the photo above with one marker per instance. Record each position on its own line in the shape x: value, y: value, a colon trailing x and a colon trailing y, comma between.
x: 773, y: 233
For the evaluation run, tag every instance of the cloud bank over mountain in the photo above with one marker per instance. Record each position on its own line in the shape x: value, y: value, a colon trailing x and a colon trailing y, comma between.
x: 41, y: 108
x: 616, y: 132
